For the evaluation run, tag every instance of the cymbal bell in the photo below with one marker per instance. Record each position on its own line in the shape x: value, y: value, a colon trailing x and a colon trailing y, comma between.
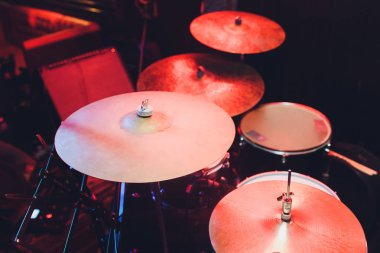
x: 248, y: 219
x: 237, y: 32
x: 234, y: 86
x: 107, y: 139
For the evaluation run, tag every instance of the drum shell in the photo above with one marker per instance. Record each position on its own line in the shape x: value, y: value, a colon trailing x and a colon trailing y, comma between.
x: 282, y: 136
x: 252, y: 160
x: 197, y: 191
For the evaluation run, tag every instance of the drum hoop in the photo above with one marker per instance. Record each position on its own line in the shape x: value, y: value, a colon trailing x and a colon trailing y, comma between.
x: 285, y: 152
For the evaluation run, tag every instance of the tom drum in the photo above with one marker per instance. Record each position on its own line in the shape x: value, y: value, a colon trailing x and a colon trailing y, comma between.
x: 283, y: 133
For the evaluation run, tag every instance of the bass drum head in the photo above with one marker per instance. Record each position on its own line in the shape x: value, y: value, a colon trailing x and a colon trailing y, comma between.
x: 286, y: 128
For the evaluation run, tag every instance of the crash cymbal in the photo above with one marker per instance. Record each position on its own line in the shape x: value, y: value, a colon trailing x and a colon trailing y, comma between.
x: 249, y: 220
x: 237, y: 32
x: 108, y: 140
x: 234, y: 86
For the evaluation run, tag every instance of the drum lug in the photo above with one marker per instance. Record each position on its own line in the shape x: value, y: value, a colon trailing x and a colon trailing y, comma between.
x: 327, y: 148
x: 283, y: 158
x: 242, y: 142
x: 226, y: 165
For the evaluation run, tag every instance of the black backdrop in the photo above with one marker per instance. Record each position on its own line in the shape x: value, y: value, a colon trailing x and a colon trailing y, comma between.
x: 330, y: 59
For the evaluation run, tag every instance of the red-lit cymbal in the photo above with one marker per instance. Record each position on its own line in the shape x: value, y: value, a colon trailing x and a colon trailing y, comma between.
x: 108, y: 140
x: 249, y: 220
x: 237, y: 32
x: 234, y: 86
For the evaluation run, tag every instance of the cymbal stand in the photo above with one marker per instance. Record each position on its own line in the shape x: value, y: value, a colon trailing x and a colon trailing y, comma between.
x: 98, y: 213
x: 144, y: 7
x: 25, y: 221
x: 156, y: 195
x: 118, y: 212
x: 83, y: 197
x: 286, y: 200
x: 76, y: 211
x: 117, y: 218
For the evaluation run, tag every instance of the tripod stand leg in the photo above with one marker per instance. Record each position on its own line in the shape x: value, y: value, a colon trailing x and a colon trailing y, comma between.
x: 75, y: 214
x: 160, y: 215
x: 118, y: 211
x: 25, y: 221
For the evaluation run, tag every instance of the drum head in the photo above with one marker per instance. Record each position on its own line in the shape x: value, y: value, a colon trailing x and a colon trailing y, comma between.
x: 283, y: 176
x: 286, y: 128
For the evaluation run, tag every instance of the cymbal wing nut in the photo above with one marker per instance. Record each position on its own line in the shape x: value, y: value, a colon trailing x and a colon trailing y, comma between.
x: 286, y: 208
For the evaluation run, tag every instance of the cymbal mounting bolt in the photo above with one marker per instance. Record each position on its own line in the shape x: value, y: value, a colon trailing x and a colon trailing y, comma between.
x: 144, y: 110
x: 238, y: 21
x: 200, y: 72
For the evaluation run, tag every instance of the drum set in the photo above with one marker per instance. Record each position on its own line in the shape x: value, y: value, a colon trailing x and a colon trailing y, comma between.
x: 179, y: 122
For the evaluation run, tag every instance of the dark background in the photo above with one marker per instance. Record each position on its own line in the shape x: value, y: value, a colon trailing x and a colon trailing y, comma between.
x: 329, y: 60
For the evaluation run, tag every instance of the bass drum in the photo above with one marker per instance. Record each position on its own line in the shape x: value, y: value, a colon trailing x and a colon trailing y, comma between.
x: 282, y: 136
x: 283, y: 176
x: 358, y: 191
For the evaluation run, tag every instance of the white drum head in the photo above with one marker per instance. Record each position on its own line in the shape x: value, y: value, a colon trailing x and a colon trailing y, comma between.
x: 286, y: 128
x: 283, y: 176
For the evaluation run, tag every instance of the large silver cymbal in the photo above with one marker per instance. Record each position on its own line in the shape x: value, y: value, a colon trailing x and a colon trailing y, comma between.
x: 107, y: 140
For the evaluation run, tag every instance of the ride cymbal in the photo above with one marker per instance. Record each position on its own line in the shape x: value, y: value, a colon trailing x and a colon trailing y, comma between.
x: 234, y: 86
